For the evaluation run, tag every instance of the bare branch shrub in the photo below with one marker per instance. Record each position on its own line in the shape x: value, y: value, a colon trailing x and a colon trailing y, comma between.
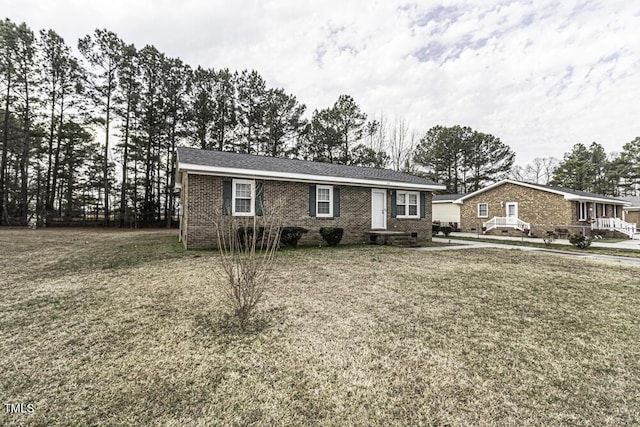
x: 247, y: 246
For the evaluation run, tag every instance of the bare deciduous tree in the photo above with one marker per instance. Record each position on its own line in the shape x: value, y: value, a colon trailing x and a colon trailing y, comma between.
x: 247, y: 247
x: 402, y: 144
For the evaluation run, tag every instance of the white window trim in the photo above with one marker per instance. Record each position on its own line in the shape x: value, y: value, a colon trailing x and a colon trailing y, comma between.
x: 506, y: 209
x: 478, y: 210
x: 582, y: 216
x: 406, y: 204
x: 233, y: 197
x: 325, y: 187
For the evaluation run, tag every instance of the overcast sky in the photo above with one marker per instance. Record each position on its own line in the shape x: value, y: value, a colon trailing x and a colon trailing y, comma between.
x: 540, y: 75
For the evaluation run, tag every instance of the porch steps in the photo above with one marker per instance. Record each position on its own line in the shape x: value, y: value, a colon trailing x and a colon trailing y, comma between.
x: 393, y: 238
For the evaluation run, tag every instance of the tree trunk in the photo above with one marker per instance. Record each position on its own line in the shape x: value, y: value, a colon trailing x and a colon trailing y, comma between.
x: 56, y: 153
x: 170, y: 179
x: 4, y: 220
x: 106, y: 159
x: 24, y: 160
x: 69, y: 195
x: 125, y: 157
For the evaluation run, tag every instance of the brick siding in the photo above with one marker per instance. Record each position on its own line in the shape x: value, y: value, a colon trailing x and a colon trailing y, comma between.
x: 545, y: 211
x: 633, y: 217
x: 202, y: 201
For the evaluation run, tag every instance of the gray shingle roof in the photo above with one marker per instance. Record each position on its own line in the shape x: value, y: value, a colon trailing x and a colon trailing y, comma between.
x: 634, y: 200
x: 223, y: 159
x: 577, y: 192
x: 447, y: 197
x: 568, y: 192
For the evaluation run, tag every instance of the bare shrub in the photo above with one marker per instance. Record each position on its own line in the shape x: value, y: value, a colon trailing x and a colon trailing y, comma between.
x: 247, y: 246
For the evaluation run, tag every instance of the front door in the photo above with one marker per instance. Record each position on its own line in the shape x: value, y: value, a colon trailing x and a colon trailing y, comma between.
x: 512, y: 213
x: 378, y: 209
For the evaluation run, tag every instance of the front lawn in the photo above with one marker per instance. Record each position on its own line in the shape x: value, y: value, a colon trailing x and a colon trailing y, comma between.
x: 629, y: 253
x: 126, y: 328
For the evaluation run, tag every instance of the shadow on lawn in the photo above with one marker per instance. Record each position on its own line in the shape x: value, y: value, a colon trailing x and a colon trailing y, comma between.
x: 223, y: 328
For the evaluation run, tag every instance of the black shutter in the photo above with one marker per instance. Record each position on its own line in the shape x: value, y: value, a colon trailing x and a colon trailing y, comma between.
x: 394, y: 207
x: 336, y: 202
x: 226, y: 197
x: 423, y: 204
x: 259, y: 198
x: 312, y: 200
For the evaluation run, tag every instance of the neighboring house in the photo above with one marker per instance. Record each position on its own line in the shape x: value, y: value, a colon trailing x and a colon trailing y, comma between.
x: 631, y: 213
x: 514, y: 207
x: 445, y: 210
x: 358, y: 199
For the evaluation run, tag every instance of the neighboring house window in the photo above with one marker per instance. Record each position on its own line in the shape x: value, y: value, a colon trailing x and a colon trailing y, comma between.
x: 324, y: 200
x: 243, y: 197
x: 483, y: 210
x: 582, y: 211
x: 407, y: 204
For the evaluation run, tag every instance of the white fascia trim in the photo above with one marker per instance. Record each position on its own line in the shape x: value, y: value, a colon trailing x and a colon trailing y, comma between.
x: 453, y: 202
x: 287, y: 176
x: 510, y: 181
x: 574, y: 198
x: 567, y: 196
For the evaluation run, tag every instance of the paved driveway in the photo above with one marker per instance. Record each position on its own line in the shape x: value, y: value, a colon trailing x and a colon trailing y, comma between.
x: 504, y: 244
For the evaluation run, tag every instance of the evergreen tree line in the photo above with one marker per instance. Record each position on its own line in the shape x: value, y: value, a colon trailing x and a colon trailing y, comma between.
x: 588, y: 168
x: 92, y: 137
x: 465, y: 160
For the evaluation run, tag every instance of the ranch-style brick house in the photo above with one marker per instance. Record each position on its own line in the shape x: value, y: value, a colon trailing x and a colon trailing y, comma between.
x: 516, y: 208
x: 631, y: 213
x: 366, y: 202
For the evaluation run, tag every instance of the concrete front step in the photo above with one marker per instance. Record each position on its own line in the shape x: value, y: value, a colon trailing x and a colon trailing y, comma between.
x: 394, y: 238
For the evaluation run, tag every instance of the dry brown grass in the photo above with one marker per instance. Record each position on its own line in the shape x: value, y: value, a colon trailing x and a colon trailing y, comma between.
x: 124, y: 328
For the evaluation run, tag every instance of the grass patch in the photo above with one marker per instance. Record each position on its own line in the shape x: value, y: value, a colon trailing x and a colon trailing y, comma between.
x: 630, y: 253
x: 358, y: 335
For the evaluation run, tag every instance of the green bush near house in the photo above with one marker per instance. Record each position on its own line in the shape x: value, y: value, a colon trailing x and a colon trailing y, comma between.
x: 579, y: 241
x: 289, y: 236
x: 332, y: 235
x: 446, y: 230
x: 435, y: 229
x: 245, y: 235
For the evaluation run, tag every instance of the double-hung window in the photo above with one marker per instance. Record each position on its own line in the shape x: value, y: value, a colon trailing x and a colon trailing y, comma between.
x: 582, y: 211
x: 324, y: 200
x: 407, y: 204
x: 243, y: 197
x: 483, y: 210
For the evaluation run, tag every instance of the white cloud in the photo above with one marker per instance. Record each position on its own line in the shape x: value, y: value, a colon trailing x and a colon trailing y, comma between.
x: 540, y: 75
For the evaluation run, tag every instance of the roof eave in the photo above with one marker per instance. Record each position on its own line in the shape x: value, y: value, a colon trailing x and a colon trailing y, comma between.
x: 576, y: 198
x: 288, y: 176
x: 567, y: 196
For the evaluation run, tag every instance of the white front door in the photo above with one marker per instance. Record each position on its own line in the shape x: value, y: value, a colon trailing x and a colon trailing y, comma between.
x: 512, y: 213
x: 378, y: 209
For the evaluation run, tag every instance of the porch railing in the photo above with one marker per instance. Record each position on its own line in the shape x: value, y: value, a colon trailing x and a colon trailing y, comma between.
x: 506, y: 222
x: 615, y: 224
